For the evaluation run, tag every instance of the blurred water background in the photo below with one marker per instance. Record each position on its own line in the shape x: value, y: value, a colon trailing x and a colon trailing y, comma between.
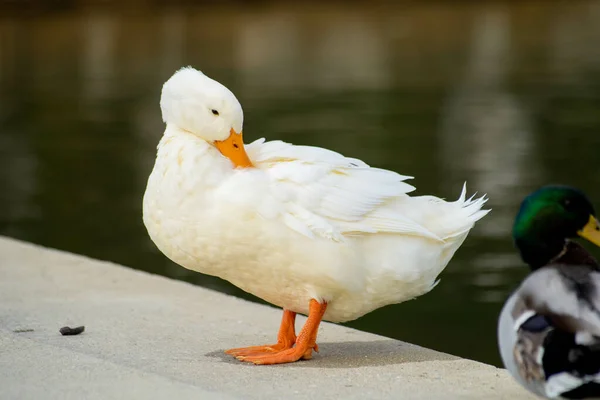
x: 504, y: 95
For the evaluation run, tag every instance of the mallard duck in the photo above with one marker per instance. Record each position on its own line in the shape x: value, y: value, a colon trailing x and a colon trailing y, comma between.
x: 549, y: 328
x: 301, y: 227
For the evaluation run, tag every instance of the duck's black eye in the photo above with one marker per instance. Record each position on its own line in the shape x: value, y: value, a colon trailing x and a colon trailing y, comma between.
x: 568, y: 204
x: 215, y: 112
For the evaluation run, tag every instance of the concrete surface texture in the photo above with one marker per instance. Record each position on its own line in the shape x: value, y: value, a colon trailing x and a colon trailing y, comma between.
x: 149, y: 337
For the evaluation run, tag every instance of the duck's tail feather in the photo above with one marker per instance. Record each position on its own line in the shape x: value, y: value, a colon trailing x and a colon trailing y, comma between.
x: 454, y: 219
x: 470, y: 211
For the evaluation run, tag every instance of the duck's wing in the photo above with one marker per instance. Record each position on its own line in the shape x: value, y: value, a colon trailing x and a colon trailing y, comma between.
x: 544, y: 332
x: 520, y: 348
x: 567, y: 294
x: 331, y: 196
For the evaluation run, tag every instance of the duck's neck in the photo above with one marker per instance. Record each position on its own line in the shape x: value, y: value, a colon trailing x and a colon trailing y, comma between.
x: 537, y: 255
x: 576, y: 254
x: 180, y: 151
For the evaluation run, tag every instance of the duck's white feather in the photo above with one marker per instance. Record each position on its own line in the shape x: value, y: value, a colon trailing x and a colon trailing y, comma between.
x: 336, y: 197
x: 544, y: 362
x: 305, y: 223
x: 329, y: 195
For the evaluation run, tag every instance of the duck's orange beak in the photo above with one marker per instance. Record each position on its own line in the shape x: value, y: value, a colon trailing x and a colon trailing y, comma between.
x: 233, y: 148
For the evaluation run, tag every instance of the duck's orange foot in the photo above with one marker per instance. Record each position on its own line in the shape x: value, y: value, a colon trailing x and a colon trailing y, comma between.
x: 283, y: 352
x: 282, y: 357
x: 259, y: 350
x: 285, y: 339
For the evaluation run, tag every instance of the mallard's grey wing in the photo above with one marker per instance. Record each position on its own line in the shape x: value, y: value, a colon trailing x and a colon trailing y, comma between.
x: 569, y: 295
x: 540, y: 327
x: 543, y: 359
x: 521, y: 351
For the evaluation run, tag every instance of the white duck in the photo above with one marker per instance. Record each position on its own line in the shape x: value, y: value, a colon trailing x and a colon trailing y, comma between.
x: 301, y: 227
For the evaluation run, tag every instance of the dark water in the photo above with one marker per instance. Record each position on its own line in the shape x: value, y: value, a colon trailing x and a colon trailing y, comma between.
x: 504, y: 96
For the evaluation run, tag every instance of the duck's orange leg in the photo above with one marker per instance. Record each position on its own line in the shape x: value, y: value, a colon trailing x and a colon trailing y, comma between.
x: 305, y: 343
x: 285, y: 339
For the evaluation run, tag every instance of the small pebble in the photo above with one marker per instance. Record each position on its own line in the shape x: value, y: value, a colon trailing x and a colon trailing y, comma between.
x: 68, y: 331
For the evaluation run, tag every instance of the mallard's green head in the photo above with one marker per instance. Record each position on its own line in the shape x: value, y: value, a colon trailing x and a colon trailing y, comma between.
x: 550, y: 216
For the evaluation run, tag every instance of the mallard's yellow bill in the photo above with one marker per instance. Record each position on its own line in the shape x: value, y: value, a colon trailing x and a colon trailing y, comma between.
x: 591, y: 231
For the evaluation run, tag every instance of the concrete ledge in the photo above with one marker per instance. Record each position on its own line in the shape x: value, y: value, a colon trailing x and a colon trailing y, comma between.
x: 155, y: 338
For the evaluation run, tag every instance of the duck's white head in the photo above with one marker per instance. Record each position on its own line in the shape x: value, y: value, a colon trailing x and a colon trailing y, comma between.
x: 193, y: 102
